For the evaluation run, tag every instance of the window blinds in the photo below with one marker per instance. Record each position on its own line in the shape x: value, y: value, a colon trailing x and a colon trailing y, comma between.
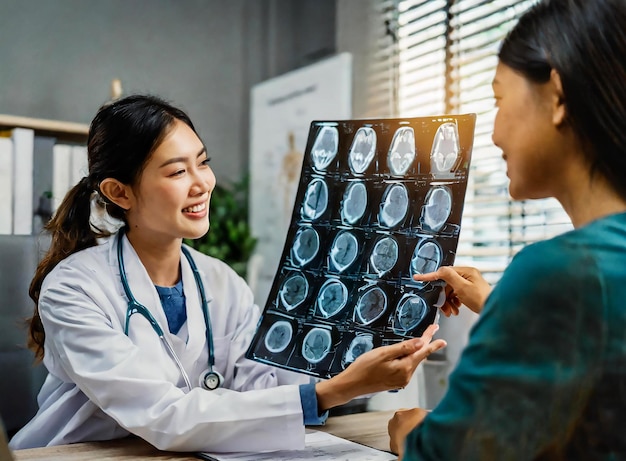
x: 382, y: 68
x: 445, y: 53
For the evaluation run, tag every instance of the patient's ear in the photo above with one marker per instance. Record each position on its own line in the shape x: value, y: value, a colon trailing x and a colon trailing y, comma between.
x: 117, y: 192
x: 559, y: 109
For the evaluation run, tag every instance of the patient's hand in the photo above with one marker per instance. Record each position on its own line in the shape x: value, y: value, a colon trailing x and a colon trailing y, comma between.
x: 403, y: 422
x: 464, y: 285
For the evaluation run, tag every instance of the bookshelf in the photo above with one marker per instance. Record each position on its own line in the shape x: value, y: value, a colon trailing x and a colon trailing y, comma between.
x: 22, y: 251
x: 52, y: 153
x: 64, y: 131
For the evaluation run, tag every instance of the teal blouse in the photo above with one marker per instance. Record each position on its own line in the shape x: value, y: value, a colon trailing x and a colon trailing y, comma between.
x: 544, y: 373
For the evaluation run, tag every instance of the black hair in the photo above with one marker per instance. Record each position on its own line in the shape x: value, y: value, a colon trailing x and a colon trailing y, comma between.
x: 584, y: 41
x: 122, y: 137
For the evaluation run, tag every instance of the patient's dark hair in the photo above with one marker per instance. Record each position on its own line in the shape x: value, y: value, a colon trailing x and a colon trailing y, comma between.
x: 584, y: 41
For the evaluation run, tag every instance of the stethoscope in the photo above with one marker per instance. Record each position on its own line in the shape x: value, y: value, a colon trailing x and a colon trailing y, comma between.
x: 209, y: 379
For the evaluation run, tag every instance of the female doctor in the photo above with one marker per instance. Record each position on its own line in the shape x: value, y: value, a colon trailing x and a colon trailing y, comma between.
x: 143, y: 335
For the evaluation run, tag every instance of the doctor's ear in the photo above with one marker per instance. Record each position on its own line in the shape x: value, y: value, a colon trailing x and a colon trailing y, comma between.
x: 116, y: 192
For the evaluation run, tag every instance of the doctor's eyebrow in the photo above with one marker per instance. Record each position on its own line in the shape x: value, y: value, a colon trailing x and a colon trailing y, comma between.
x: 182, y: 159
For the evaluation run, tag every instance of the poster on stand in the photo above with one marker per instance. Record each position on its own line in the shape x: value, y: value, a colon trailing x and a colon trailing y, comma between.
x: 281, y: 111
x: 377, y: 202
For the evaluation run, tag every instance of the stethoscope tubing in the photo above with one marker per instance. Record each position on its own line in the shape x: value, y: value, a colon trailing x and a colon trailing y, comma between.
x: 205, y: 307
x: 134, y: 307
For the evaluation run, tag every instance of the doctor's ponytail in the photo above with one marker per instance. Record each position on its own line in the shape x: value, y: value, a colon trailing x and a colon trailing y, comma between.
x: 70, y: 232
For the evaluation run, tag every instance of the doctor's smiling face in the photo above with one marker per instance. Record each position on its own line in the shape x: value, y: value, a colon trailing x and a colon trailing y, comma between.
x: 171, y: 197
x: 166, y: 197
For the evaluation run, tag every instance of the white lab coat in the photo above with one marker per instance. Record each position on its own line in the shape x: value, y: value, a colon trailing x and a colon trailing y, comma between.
x: 103, y: 384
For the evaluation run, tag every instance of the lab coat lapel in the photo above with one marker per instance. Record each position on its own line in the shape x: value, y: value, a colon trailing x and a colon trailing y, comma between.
x: 195, y: 346
x: 141, y: 332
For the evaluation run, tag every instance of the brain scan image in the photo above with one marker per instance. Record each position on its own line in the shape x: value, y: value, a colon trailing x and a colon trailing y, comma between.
x: 445, y: 152
x: 315, y: 200
x: 325, y: 147
x: 426, y: 258
x: 278, y: 336
x: 344, y: 250
x: 362, y: 150
x: 362, y: 343
x: 410, y: 312
x: 377, y: 201
x: 437, y: 208
x: 332, y: 297
x: 394, y: 205
x: 316, y: 345
x: 354, y: 202
x: 371, y: 306
x: 402, y: 151
x: 305, y: 247
x: 384, y: 255
x: 293, y: 291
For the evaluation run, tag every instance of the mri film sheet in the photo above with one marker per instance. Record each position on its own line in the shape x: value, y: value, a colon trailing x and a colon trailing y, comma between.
x: 378, y: 201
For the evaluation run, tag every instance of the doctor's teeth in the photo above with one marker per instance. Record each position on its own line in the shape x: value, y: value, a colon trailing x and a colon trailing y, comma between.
x: 195, y: 208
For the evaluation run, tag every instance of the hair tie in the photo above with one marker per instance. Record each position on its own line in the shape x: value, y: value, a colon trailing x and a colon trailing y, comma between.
x: 100, y: 220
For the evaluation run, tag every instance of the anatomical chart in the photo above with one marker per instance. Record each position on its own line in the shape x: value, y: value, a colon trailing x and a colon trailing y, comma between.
x: 378, y: 201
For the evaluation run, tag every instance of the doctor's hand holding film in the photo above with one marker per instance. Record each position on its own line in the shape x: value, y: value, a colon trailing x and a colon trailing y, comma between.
x: 464, y: 286
x: 383, y: 368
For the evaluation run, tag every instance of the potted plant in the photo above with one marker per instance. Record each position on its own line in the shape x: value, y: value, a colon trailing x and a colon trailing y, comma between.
x: 229, y: 237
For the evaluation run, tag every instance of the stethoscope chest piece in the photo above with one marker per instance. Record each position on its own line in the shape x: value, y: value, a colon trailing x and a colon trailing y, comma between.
x: 211, y: 380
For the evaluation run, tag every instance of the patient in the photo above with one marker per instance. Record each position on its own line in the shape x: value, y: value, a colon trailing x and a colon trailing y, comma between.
x: 544, y: 374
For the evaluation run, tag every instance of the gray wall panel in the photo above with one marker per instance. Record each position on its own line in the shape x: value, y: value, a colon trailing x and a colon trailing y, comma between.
x: 59, y: 57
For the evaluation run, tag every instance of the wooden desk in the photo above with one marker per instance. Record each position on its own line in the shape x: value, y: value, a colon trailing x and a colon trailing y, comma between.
x: 366, y: 428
